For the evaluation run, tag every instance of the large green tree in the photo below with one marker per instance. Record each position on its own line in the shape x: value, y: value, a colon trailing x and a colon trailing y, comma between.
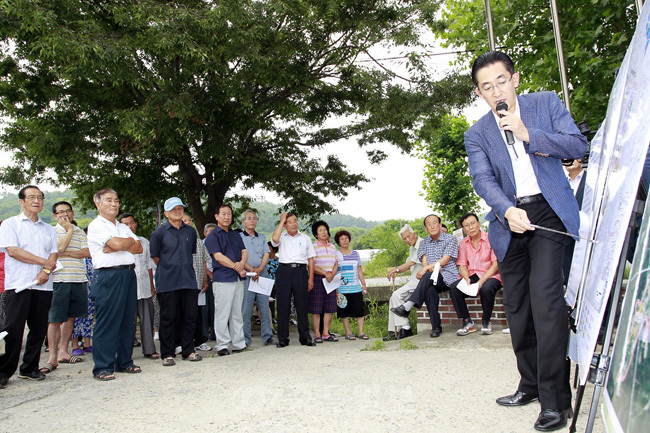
x: 195, y: 97
x: 595, y: 37
x: 447, y: 184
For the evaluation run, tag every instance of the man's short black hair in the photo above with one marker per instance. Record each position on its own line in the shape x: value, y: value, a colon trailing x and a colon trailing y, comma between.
x: 60, y: 203
x: 462, y: 219
x: 21, y: 193
x: 221, y: 206
x: 121, y: 216
x: 490, y: 58
x: 427, y: 217
x: 314, y: 228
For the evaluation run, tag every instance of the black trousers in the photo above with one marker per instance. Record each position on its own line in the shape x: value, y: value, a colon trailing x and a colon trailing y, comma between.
x: 487, y: 293
x: 183, y: 302
x: 428, y: 293
x: 292, y: 281
x: 533, y: 298
x: 31, y: 307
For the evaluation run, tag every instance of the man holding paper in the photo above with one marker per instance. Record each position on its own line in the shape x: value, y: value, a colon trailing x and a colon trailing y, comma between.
x: 258, y: 257
x: 31, y: 253
x: 479, y: 275
x: 438, y: 254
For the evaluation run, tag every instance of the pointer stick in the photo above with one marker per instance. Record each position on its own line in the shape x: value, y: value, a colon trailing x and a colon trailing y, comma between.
x: 562, y: 233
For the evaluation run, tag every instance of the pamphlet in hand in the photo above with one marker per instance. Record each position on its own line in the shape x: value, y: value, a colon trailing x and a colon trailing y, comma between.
x: 468, y: 289
x: 262, y: 286
x: 25, y: 286
x: 435, y: 273
x: 330, y: 286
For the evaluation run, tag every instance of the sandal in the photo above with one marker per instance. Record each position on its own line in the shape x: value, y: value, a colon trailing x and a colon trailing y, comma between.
x: 47, y: 368
x: 330, y: 338
x: 350, y: 337
x: 364, y: 337
x: 73, y: 360
x: 318, y: 340
x: 78, y: 352
x: 104, y: 376
x: 131, y: 369
x: 167, y: 362
x: 194, y: 357
x: 154, y: 355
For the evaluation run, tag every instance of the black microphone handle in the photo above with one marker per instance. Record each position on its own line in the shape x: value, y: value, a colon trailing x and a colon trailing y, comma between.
x: 510, y: 138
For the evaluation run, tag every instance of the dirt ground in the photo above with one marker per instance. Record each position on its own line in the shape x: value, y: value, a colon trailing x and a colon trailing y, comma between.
x: 447, y: 384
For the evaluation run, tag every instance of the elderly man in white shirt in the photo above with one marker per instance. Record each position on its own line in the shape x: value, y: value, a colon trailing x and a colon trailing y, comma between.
x: 31, y: 253
x: 112, y: 247
x: 295, y: 276
x: 398, y: 327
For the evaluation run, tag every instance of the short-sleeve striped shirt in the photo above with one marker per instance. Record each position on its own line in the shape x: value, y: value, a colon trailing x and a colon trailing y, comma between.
x: 325, y: 256
x: 73, y: 270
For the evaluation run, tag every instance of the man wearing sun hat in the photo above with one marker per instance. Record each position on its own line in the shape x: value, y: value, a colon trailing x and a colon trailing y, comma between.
x: 172, y: 246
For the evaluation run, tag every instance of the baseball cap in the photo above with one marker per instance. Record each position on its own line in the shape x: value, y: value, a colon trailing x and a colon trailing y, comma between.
x: 171, y: 203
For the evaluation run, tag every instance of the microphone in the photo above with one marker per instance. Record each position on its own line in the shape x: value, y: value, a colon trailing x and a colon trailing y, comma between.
x: 510, y: 138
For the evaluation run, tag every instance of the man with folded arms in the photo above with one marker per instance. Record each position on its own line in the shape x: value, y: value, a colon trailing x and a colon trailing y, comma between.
x: 172, y: 246
x: 31, y: 254
x: 400, y: 295
x: 295, y: 276
x: 477, y: 264
x: 112, y: 247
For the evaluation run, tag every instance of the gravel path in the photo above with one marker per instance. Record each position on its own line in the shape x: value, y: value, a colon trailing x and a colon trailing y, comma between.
x: 445, y: 385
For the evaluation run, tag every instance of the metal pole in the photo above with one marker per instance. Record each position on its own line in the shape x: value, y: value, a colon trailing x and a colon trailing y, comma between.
x: 488, y: 17
x: 639, y: 6
x: 560, y: 55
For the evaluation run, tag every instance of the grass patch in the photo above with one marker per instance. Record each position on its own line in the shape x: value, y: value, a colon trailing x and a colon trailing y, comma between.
x: 376, y: 323
x: 374, y: 346
x: 407, y: 344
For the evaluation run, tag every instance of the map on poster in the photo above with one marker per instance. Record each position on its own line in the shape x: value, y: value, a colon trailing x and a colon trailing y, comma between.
x: 616, y: 161
x: 627, y: 391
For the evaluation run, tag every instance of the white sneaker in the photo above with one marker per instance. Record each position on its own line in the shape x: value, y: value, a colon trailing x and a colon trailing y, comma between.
x: 486, y: 330
x: 467, y: 328
x: 204, y: 347
x: 506, y: 330
x: 178, y: 350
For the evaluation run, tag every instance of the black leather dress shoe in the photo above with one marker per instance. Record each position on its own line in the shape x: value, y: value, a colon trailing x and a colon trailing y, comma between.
x: 400, y: 311
x: 517, y: 399
x: 403, y: 333
x: 223, y: 352
x: 436, y: 331
x: 282, y: 344
x: 552, y: 419
x: 3, y: 382
x: 308, y: 343
x: 390, y: 337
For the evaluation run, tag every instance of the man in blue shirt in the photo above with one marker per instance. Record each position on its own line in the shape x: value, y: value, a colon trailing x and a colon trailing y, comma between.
x: 438, y: 248
x: 258, y: 257
x: 172, y: 246
x: 229, y: 256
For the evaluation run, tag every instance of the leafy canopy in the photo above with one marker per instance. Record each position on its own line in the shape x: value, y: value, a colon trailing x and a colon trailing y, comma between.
x: 595, y: 37
x: 192, y: 98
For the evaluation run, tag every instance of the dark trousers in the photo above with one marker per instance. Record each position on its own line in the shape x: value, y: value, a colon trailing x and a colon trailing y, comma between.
x: 292, y: 281
x: 31, y: 307
x: 428, y: 293
x: 533, y: 298
x: 208, y: 314
x: 199, y: 337
x: 145, y: 312
x: 487, y: 292
x: 115, y: 304
x: 183, y: 302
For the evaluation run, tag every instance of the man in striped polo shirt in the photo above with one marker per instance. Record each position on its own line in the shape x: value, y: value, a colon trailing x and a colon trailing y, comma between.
x: 70, y: 295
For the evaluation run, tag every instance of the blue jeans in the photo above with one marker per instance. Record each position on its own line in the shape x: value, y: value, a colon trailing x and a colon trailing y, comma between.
x: 262, y: 307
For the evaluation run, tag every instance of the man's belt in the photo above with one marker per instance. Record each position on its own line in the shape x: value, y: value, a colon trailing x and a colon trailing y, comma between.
x: 529, y: 199
x: 118, y: 268
x: 294, y: 265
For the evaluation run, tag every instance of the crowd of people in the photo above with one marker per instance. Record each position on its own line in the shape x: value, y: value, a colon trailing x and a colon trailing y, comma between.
x: 514, y: 154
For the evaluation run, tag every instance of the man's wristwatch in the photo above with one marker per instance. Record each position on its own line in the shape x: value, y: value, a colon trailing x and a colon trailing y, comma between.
x: 47, y: 271
x: 397, y: 270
